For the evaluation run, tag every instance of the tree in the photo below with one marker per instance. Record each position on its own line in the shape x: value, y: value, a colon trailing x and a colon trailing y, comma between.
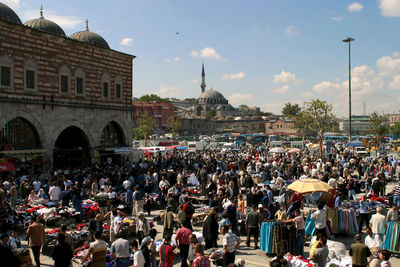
x: 302, y: 122
x: 290, y: 110
x: 174, y: 126
x: 153, y: 97
x: 395, y: 129
x: 319, y: 114
x: 243, y: 108
x: 377, y: 126
x: 145, y: 127
x: 211, y: 113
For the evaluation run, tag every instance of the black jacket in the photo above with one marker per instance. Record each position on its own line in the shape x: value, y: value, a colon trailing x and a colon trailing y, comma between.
x: 210, y: 228
x: 62, y: 255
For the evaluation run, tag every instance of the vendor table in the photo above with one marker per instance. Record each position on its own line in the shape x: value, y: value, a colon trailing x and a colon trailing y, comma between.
x: 198, y: 217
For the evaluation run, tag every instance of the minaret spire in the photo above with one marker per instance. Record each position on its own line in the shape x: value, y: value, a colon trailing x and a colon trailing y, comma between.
x: 203, y: 79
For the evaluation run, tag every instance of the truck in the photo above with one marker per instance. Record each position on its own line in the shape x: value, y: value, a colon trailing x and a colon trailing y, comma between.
x: 196, y: 146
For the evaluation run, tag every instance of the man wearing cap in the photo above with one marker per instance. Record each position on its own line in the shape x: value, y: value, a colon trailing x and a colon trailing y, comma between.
x: 142, y: 227
x: 253, y: 222
x: 359, y: 252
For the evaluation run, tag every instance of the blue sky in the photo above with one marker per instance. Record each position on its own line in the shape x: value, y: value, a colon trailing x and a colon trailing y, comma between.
x: 262, y: 53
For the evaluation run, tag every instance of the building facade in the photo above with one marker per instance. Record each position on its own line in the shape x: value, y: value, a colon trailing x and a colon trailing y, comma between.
x: 359, y: 124
x: 281, y: 127
x: 160, y: 112
x: 64, y: 100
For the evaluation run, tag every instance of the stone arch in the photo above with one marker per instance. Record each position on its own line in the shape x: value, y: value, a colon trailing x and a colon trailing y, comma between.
x: 19, y: 134
x: 31, y: 119
x: 77, y: 124
x: 112, y: 135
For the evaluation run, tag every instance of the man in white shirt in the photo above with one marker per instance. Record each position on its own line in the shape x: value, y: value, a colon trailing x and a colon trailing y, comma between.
x: 320, y: 220
x: 36, y: 185
x: 138, y: 258
x: 54, y: 193
x: 378, y: 223
x: 117, y: 222
x: 374, y: 243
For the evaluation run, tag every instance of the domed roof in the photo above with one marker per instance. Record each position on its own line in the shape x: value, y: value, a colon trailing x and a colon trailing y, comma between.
x: 8, y: 15
x: 89, y: 37
x: 212, y: 97
x: 45, y: 25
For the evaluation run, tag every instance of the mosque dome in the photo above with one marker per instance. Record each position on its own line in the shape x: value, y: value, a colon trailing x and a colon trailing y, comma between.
x: 212, y: 97
x: 89, y: 37
x: 45, y: 25
x: 8, y: 15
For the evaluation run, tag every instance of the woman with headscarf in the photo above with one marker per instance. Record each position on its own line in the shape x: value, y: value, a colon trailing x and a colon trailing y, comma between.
x: 144, y: 247
x: 210, y: 229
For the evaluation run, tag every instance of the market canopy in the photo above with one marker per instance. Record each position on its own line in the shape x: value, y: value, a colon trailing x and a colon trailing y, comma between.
x: 277, y: 150
x: 304, y: 186
x: 294, y: 150
x: 7, y: 167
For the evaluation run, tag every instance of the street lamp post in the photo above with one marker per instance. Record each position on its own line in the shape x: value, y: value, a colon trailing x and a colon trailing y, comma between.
x: 349, y: 40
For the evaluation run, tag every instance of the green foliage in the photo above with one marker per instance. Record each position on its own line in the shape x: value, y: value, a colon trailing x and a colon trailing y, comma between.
x: 174, y: 126
x: 319, y: 116
x: 245, y: 110
x: 153, y: 97
x: 395, y: 129
x: 145, y: 127
x: 290, y: 110
x: 377, y: 126
x: 211, y: 113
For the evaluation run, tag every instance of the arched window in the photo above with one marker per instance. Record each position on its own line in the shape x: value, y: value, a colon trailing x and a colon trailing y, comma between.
x: 118, y: 88
x: 105, y: 86
x: 80, y: 82
x: 19, y: 134
x: 6, y: 73
x: 112, y: 135
x: 31, y: 75
x: 64, y: 80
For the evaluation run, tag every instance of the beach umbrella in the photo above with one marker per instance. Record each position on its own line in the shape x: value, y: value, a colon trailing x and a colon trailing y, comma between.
x: 294, y: 150
x: 277, y: 150
x: 304, y: 186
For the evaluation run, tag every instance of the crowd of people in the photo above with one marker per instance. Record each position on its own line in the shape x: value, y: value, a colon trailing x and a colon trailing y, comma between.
x: 241, y: 190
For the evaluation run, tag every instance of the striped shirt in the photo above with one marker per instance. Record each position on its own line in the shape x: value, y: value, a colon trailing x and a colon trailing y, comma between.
x: 397, y: 190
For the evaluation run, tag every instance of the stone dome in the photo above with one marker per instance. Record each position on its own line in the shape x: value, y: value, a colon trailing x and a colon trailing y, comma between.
x: 212, y: 97
x: 89, y: 37
x: 8, y: 15
x: 45, y: 25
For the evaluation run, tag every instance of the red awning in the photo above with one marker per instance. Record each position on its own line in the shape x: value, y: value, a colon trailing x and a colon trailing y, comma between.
x: 7, y: 167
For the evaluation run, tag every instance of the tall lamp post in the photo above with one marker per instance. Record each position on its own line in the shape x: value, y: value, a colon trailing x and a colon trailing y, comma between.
x: 349, y: 40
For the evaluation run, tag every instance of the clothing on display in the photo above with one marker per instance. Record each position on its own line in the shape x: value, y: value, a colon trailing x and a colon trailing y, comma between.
x: 277, y: 237
x: 392, y: 237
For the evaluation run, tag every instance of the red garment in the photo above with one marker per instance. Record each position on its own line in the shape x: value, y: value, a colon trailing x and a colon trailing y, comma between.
x: 201, y: 261
x: 182, y: 236
x: 167, y: 260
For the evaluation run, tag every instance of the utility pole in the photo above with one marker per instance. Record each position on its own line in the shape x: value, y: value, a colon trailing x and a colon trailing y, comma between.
x: 349, y: 40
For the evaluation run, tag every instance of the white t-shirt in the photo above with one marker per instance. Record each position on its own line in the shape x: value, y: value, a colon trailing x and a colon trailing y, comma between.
x: 116, y: 222
x: 54, y: 193
x: 138, y: 258
x: 126, y: 184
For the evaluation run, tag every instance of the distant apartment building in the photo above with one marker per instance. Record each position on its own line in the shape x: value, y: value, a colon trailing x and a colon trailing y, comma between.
x: 359, y: 124
x: 393, y: 118
x: 159, y: 111
x: 281, y: 127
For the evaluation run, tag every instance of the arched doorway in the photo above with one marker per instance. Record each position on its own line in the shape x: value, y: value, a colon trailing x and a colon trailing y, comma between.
x: 20, y: 144
x: 111, y: 141
x: 72, y: 149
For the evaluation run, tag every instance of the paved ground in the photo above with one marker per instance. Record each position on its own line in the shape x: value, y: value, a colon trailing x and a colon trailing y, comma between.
x: 252, y: 256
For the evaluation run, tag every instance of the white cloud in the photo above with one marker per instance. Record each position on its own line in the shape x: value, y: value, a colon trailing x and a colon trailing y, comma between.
x: 207, y: 52
x: 169, y: 91
x: 13, y: 4
x: 389, y: 65
x: 195, y: 81
x: 126, y: 41
x: 238, y: 99
x: 292, y: 31
x: 281, y: 90
x: 325, y: 86
x: 390, y: 8
x: 173, y: 60
x: 337, y: 18
x: 355, y: 7
x: 395, y: 83
x: 285, y: 77
x: 66, y: 22
x: 235, y: 76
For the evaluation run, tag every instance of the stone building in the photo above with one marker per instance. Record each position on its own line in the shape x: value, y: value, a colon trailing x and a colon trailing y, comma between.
x: 281, y: 127
x: 160, y: 112
x: 64, y: 101
x: 227, y: 119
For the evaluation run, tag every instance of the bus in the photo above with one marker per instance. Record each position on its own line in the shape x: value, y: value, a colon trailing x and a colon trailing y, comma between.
x: 254, y: 139
x: 336, y: 138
